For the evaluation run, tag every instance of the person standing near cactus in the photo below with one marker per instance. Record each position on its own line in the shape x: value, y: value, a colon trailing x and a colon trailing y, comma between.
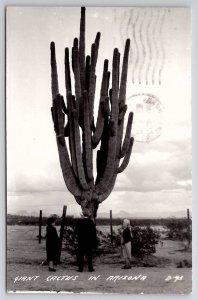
x: 87, y: 240
x: 52, y: 243
x: 126, y: 244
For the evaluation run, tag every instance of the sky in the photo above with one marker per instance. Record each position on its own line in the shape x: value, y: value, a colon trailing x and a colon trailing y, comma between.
x: 157, y: 181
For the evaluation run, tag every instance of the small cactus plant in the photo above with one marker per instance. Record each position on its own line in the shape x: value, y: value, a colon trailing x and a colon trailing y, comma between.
x: 74, y: 120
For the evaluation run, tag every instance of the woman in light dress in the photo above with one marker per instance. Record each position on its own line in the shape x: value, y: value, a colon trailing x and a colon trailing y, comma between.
x: 126, y: 243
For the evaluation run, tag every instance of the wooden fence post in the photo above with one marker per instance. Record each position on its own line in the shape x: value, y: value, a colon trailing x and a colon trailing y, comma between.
x: 62, y: 229
x: 111, y: 227
x: 40, y: 226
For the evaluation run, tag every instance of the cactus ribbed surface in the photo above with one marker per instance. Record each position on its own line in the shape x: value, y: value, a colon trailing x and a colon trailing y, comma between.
x: 74, y: 120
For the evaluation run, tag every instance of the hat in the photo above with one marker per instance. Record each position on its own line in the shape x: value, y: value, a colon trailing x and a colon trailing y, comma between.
x: 51, y: 219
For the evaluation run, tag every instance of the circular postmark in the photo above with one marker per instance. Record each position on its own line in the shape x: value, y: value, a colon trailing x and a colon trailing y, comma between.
x: 147, y: 121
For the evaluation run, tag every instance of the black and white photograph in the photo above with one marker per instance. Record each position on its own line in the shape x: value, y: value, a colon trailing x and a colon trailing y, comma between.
x: 98, y: 141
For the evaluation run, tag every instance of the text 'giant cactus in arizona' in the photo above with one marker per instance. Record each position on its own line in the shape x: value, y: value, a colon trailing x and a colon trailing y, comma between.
x: 75, y: 121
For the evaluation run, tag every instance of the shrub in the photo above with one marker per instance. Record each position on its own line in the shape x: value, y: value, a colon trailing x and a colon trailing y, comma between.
x: 144, y: 241
x: 178, y: 230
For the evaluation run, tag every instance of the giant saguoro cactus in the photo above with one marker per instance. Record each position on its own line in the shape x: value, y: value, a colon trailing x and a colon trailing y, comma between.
x: 74, y: 121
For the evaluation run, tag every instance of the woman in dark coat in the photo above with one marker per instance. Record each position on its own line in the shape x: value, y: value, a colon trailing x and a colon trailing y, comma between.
x: 52, y: 243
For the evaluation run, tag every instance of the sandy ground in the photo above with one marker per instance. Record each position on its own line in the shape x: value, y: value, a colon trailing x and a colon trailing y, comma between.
x: 25, y: 255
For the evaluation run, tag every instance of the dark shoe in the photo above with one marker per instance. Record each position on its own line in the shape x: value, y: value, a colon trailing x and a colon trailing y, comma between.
x: 79, y: 270
x: 126, y: 267
x: 91, y: 270
x: 52, y: 269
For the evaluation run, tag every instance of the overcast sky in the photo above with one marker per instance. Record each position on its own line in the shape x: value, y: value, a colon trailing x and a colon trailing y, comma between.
x: 157, y: 181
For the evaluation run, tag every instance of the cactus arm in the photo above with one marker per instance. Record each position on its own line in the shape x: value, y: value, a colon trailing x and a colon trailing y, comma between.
x: 97, y: 41
x: 122, y: 114
x: 111, y: 152
x: 92, y: 82
x: 103, y: 150
x: 87, y: 72
x: 92, y: 76
x: 100, y: 119
x: 122, y: 98
x: 110, y: 96
x: 108, y: 191
x: 70, y: 107
x: 82, y: 49
x: 66, y: 167
x: 77, y: 139
x: 67, y: 71
x: 107, y: 108
x: 115, y: 87
x: 118, y: 77
x: 126, y: 142
x: 122, y: 93
x: 67, y: 170
x: 54, y: 74
x: 122, y: 110
x: 68, y: 88
x: 111, y: 184
x: 58, y: 116
x: 99, y: 163
x: 127, y: 157
x: 87, y: 146
x: 75, y: 59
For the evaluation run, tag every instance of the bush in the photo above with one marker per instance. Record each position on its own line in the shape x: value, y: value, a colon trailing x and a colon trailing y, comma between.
x: 178, y: 230
x: 144, y: 241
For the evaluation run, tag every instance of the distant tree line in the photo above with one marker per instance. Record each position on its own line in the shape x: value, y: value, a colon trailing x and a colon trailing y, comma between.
x: 71, y: 221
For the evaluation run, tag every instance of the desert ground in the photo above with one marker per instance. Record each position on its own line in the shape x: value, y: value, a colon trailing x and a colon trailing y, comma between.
x: 163, y: 272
